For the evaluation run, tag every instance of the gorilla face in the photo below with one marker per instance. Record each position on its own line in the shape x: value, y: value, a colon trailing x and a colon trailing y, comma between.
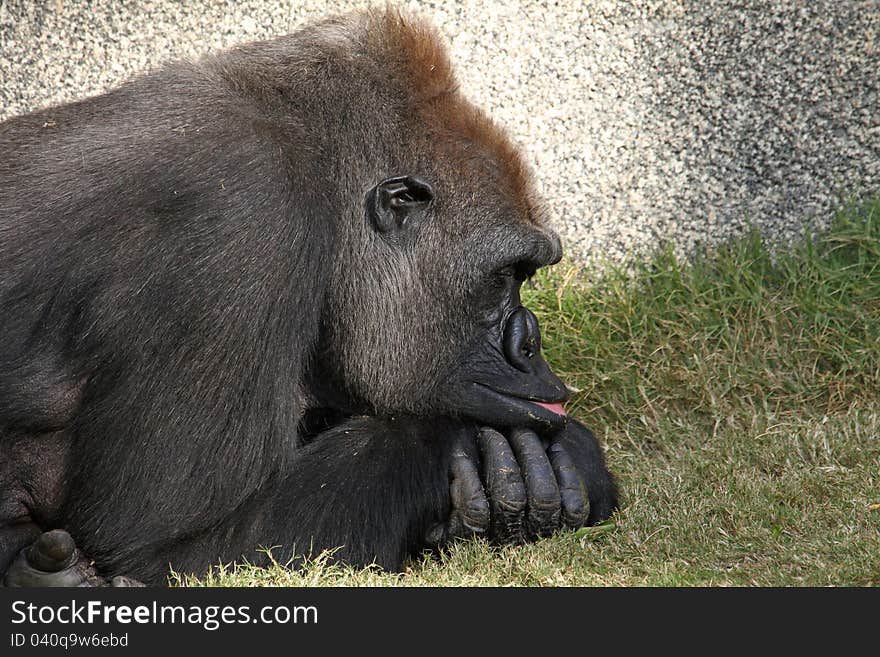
x: 436, y: 324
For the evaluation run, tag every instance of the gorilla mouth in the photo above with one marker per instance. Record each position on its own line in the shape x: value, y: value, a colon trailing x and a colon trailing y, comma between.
x: 554, y: 407
x: 543, y: 411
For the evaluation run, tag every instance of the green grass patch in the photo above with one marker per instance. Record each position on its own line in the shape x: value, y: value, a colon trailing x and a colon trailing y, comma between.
x: 738, y: 398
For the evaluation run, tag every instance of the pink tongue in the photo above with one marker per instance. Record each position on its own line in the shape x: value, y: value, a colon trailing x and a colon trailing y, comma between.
x: 553, y: 408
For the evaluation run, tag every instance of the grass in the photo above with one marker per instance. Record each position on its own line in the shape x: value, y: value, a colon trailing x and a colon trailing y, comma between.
x: 738, y: 397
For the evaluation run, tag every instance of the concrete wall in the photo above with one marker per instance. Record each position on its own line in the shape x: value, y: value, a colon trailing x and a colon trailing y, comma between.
x: 655, y: 120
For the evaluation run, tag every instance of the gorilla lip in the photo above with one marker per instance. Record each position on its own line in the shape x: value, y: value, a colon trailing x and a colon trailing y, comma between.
x: 548, y: 412
x: 553, y: 408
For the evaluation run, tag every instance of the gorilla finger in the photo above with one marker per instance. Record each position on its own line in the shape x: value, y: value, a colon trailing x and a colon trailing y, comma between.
x: 470, y: 506
x: 572, y: 489
x: 587, y: 454
x: 504, y: 486
x: 542, y: 516
x: 469, y: 513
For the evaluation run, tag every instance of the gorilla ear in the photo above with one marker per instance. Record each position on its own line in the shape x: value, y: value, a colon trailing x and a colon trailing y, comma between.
x: 392, y: 202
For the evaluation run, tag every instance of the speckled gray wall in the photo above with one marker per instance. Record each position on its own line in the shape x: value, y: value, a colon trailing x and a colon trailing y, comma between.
x: 656, y: 120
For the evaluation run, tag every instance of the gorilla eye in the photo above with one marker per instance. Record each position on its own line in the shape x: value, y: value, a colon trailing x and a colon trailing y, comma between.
x: 521, y: 271
x: 395, y: 200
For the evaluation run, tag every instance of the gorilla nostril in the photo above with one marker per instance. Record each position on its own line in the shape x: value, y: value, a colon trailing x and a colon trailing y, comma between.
x: 521, y: 339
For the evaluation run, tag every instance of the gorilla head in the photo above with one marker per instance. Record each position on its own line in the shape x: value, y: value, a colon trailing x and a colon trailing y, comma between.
x: 441, y: 227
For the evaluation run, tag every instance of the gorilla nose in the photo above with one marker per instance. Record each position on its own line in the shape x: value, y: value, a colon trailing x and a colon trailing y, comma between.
x: 522, y: 340
x: 522, y: 348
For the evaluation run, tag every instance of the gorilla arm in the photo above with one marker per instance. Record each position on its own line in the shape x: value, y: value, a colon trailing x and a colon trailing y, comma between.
x: 378, y: 490
x: 367, y: 489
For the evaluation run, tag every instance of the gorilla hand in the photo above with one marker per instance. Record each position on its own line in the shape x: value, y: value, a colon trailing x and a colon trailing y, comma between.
x: 537, y: 485
x: 53, y: 561
x: 524, y: 487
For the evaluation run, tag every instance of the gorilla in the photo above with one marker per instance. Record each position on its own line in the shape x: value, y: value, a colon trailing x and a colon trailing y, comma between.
x: 272, y: 298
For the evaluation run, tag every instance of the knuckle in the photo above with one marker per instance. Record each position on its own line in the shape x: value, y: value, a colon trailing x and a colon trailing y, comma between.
x: 544, y: 506
x: 510, y: 505
x: 477, y: 514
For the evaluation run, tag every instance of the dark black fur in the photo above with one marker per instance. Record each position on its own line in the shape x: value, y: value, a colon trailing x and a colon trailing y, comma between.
x: 186, y: 269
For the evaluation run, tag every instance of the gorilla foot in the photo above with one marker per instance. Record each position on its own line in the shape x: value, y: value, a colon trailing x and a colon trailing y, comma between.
x: 54, y: 561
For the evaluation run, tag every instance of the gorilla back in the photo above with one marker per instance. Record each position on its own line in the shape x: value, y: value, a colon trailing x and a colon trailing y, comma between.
x: 193, y: 261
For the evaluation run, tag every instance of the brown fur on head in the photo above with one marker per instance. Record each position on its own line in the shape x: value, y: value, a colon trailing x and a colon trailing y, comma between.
x: 417, y: 51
